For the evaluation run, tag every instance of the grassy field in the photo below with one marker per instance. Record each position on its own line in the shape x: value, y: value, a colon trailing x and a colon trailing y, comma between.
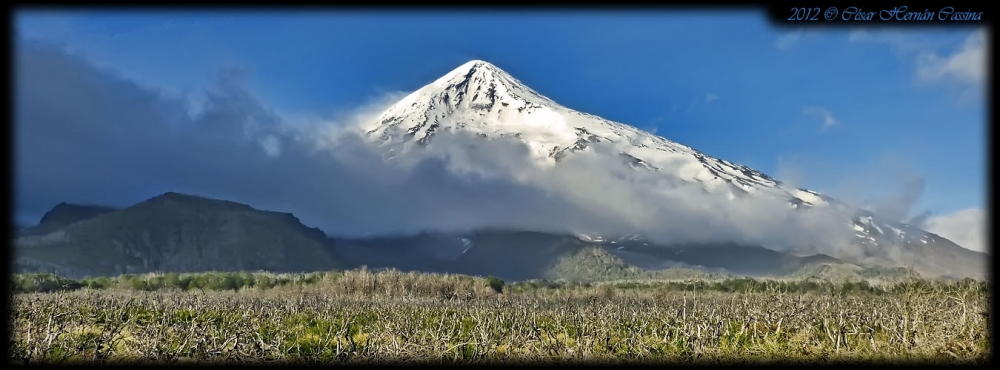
x: 377, y: 317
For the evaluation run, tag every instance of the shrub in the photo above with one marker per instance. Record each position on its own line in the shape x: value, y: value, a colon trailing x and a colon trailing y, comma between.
x: 496, y: 283
x: 42, y: 283
x: 172, y: 280
x: 138, y: 284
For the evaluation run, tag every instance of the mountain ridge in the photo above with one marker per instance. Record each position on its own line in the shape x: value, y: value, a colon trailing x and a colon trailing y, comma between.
x: 64, y: 214
x: 510, y: 254
x: 178, y: 233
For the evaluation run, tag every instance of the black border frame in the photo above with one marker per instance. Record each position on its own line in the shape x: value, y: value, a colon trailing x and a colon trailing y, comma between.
x: 776, y: 14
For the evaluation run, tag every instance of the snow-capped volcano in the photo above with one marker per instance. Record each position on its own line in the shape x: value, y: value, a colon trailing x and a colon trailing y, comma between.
x: 479, y: 98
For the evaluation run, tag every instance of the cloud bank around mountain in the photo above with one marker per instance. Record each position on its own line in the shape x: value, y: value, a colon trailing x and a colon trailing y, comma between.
x: 84, y: 135
x: 966, y: 228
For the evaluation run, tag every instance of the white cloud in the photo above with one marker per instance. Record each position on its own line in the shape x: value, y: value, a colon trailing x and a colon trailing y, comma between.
x: 271, y: 145
x: 787, y: 40
x: 828, y: 119
x: 967, y: 64
x: 935, y: 59
x: 791, y: 171
x: 859, y: 34
x: 966, y: 228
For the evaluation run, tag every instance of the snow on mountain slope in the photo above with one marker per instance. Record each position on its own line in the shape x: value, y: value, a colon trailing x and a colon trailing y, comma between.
x: 479, y: 98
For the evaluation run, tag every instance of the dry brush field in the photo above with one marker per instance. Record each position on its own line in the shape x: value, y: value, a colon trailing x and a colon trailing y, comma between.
x: 364, y: 317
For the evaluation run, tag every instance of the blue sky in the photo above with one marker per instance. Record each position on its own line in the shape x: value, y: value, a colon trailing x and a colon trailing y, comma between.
x: 853, y: 112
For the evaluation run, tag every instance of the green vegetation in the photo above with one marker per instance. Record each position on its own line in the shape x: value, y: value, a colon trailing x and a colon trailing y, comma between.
x: 43, y: 283
x: 208, y: 281
x: 595, y: 264
x: 496, y: 283
x: 750, y: 285
x: 360, y: 316
x: 592, y: 264
x: 360, y: 281
x: 376, y: 281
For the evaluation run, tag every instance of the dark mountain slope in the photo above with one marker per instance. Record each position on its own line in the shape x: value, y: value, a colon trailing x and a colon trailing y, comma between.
x: 64, y: 214
x: 179, y: 233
